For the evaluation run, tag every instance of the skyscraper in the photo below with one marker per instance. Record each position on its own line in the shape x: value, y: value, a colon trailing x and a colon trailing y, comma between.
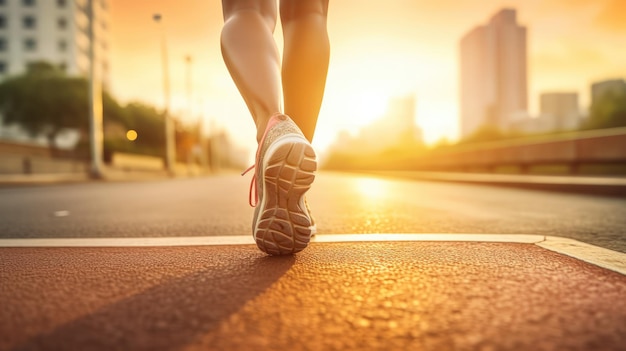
x: 55, y: 31
x: 493, y: 73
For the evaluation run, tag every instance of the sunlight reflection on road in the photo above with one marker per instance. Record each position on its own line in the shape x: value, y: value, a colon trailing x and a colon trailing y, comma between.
x: 371, y: 188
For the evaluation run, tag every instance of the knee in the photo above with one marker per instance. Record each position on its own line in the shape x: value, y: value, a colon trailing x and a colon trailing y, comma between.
x: 266, y: 9
x: 293, y: 10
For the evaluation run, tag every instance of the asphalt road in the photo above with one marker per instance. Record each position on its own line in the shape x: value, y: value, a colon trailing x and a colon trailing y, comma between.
x: 341, y: 203
x: 331, y: 296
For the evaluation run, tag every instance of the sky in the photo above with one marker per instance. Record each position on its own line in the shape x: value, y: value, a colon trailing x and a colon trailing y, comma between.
x: 379, y: 50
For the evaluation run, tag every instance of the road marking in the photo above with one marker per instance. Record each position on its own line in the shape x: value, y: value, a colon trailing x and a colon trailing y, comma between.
x: 502, y: 238
x: 605, y: 258
x: 505, y: 178
x: 130, y: 242
x: 248, y: 240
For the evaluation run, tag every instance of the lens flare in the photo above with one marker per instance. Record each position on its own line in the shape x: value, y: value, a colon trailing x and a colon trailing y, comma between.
x: 131, y: 135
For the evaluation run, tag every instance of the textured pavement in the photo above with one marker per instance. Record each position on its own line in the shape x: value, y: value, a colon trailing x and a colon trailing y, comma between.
x: 339, y: 296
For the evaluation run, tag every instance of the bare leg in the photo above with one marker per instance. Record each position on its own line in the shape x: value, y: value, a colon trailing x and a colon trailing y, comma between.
x: 251, y: 56
x: 305, y: 60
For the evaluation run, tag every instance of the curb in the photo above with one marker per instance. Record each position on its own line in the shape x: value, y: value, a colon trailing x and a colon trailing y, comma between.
x: 608, y: 186
x: 109, y: 176
x: 49, y: 178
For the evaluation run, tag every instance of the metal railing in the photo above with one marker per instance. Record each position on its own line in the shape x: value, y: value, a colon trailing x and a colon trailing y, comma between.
x: 606, y: 146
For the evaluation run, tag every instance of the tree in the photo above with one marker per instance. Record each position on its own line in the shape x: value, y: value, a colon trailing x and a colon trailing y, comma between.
x: 483, y: 134
x: 149, y: 124
x: 607, y: 112
x: 44, y: 100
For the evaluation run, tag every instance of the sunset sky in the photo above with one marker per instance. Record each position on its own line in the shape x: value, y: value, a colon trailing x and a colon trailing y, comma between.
x: 377, y: 52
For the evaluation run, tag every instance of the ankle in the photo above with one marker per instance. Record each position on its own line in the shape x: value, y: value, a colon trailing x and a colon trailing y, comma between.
x: 260, y: 130
x: 261, y: 125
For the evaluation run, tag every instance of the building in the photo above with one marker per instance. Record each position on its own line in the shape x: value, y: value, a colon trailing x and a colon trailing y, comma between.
x: 493, y: 73
x: 612, y: 86
x: 561, y: 110
x: 56, y: 31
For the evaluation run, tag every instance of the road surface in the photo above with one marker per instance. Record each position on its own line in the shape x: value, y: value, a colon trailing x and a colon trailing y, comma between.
x: 341, y: 203
x: 387, y: 295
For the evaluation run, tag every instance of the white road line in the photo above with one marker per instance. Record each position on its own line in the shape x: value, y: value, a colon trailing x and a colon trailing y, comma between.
x: 502, y: 238
x: 248, y: 240
x: 129, y: 242
x: 605, y: 258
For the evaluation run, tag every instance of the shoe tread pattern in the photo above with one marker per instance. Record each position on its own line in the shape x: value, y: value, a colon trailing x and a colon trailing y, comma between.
x: 283, y: 226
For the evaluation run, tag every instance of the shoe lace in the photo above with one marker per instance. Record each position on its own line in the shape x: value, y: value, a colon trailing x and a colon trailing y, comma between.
x: 272, y: 122
x: 252, y: 186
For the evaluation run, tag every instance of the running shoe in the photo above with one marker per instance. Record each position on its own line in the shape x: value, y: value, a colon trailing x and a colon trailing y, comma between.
x: 308, y: 211
x: 285, y: 168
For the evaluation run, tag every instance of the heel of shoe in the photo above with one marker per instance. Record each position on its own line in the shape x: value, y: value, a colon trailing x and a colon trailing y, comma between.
x: 284, y: 227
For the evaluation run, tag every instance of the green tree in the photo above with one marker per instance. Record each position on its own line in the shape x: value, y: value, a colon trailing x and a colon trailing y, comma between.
x: 44, y: 100
x: 484, y: 133
x: 113, y: 111
x: 150, y: 126
x: 607, y: 112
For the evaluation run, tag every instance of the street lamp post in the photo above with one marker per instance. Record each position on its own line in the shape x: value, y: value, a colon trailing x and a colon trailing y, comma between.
x: 96, y: 134
x: 199, y: 150
x: 188, y: 61
x: 170, y: 136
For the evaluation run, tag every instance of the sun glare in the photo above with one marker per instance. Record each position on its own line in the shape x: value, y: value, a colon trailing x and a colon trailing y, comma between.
x: 368, y: 106
x: 371, y: 188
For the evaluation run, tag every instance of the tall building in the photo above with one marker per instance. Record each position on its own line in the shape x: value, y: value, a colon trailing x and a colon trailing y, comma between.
x: 56, y: 31
x: 612, y: 86
x: 560, y: 109
x: 493, y: 85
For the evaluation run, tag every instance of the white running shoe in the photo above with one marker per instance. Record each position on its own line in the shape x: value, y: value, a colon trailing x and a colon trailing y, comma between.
x: 285, y: 168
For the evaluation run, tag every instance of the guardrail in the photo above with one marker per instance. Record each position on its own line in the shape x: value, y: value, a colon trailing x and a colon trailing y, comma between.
x: 607, y: 146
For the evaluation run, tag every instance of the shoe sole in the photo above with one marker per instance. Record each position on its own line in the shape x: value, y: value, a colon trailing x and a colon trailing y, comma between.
x: 282, y: 226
